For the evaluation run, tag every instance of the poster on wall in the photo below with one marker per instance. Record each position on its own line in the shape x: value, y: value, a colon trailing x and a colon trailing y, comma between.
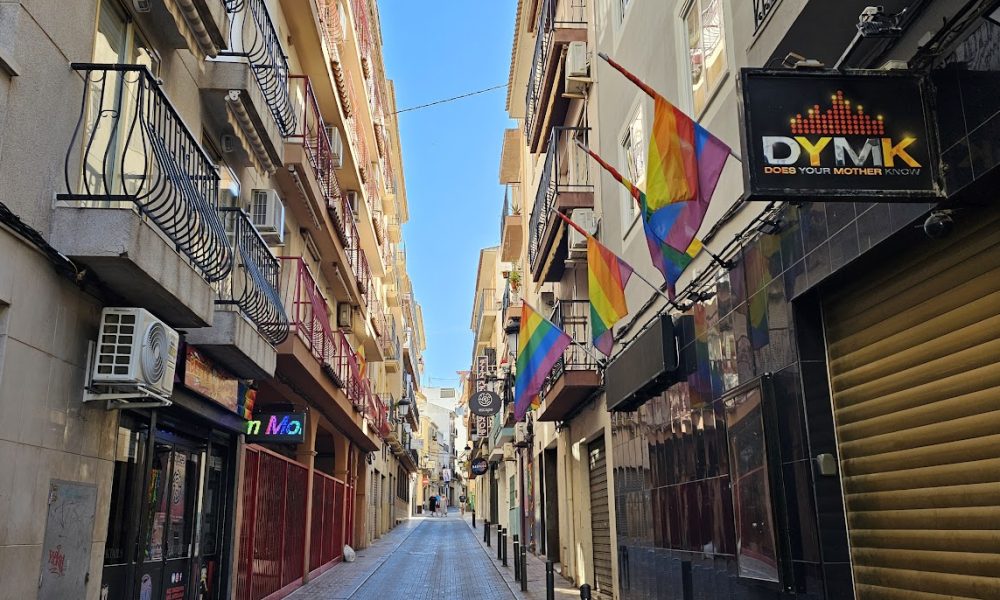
x: 838, y: 135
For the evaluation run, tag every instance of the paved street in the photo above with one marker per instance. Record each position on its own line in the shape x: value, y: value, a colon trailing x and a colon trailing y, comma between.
x: 422, y: 558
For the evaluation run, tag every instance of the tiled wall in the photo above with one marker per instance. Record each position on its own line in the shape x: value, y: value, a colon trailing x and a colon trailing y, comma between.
x: 670, y: 458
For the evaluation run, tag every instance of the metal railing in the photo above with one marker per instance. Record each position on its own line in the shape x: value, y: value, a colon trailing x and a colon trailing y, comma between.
x: 555, y: 14
x: 253, y: 284
x: 566, y: 169
x: 252, y: 35
x: 308, y: 314
x: 138, y: 153
x: 761, y: 9
x: 333, y: 33
x: 487, y: 301
x: 572, y: 316
x: 311, y: 132
x: 510, y: 298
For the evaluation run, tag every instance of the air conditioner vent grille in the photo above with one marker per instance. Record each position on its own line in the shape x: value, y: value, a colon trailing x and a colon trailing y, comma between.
x: 115, y: 347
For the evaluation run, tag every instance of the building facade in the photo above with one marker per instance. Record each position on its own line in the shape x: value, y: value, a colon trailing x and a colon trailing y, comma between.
x: 813, y: 435
x: 207, y: 330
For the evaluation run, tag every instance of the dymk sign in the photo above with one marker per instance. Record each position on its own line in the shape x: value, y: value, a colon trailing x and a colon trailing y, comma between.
x: 832, y: 135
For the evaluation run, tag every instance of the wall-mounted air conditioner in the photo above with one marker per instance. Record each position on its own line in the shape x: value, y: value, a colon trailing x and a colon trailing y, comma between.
x: 336, y: 146
x: 134, y: 358
x: 268, y: 215
x: 508, y: 452
x: 577, y: 77
x: 585, y: 218
x: 345, y: 314
x: 521, y: 434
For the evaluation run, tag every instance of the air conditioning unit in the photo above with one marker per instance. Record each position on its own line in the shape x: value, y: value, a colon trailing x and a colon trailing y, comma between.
x: 577, y: 77
x: 345, y: 315
x: 521, y: 434
x: 585, y: 218
x: 508, y: 452
x: 336, y: 146
x: 268, y: 215
x: 547, y: 295
x: 135, y: 352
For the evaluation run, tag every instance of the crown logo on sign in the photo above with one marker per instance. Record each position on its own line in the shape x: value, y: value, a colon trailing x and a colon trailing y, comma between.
x: 840, y: 119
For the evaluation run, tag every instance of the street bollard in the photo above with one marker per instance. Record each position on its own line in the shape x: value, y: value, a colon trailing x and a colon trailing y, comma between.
x: 517, y: 559
x: 550, y: 580
x: 499, y: 542
x: 486, y: 532
x: 504, y: 546
x: 524, y: 568
x: 585, y: 592
x: 473, y: 518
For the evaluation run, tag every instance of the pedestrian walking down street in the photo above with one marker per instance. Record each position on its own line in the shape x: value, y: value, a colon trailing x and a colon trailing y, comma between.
x: 432, y: 506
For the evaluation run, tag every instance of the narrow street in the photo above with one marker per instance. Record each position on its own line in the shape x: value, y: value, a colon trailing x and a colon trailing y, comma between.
x: 422, y: 558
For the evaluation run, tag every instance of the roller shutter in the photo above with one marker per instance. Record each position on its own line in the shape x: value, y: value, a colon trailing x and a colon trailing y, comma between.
x: 914, y: 355
x: 599, y: 520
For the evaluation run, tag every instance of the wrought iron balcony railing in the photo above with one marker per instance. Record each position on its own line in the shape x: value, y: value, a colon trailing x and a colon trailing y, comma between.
x: 312, y: 133
x: 554, y: 14
x: 252, y: 35
x: 566, y: 169
x: 138, y: 153
x: 253, y: 284
x: 572, y: 316
x: 761, y: 9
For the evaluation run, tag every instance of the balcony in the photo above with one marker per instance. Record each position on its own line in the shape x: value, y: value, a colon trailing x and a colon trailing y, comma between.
x: 559, y: 23
x: 142, y: 212
x: 201, y: 26
x: 510, y: 309
x: 565, y: 185
x: 511, y: 233
x: 486, y: 315
x: 245, y: 89
x: 317, y: 359
x: 574, y: 377
x: 249, y: 319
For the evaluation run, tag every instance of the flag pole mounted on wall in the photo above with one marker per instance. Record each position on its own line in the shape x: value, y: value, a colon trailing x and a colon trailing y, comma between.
x: 645, y: 87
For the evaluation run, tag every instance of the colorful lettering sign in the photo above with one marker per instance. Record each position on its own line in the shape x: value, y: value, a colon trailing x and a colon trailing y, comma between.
x: 274, y: 428
x: 837, y: 136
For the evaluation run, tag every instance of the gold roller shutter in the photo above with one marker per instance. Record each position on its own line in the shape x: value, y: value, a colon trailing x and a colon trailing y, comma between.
x: 914, y: 351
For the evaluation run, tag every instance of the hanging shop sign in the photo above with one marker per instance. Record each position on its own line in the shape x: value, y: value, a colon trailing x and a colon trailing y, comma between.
x: 485, y: 404
x: 199, y: 374
x: 277, y: 428
x: 838, y: 136
x: 479, y: 467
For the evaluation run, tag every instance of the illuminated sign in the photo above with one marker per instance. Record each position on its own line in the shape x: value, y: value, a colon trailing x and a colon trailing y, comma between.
x: 275, y: 428
x: 479, y: 467
x: 837, y: 136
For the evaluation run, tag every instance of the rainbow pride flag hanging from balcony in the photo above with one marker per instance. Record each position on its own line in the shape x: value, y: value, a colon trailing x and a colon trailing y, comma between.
x: 540, y: 345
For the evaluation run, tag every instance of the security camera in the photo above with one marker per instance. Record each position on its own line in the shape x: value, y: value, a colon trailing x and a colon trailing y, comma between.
x: 939, y: 224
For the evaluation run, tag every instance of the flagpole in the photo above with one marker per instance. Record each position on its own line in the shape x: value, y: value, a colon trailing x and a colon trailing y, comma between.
x: 645, y: 87
x: 656, y: 289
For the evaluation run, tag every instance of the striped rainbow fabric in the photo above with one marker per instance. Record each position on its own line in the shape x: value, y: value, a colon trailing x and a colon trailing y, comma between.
x: 607, y: 275
x: 539, y: 345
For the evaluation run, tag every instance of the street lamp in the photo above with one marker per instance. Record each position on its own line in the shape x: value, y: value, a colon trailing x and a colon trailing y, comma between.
x: 403, y: 406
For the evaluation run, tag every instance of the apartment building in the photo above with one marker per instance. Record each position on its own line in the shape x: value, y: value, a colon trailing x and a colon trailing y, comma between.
x: 805, y: 425
x: 207, y: 333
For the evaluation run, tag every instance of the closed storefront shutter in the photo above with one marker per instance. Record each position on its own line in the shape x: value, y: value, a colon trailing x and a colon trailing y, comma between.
x: 599, y: 519
x: 914, y: 351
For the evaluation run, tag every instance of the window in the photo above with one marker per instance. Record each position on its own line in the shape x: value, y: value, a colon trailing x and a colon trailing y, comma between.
x: 706, y: 35
x: 633, y: 148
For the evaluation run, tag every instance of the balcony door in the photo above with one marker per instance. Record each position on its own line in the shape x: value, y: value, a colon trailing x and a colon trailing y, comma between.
x: 115, y: 160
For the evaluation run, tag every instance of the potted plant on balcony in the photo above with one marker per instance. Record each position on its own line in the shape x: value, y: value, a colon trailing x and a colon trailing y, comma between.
x: 515, y: 278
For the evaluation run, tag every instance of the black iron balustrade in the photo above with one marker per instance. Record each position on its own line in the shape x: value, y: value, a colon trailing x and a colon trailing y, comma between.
x: 761, y: 9
x: 554, y: 14
x: 566, y: 169
x: 252, y: 35
x: 253, y: 283
x: 137, y: 151
x: 572, y: 316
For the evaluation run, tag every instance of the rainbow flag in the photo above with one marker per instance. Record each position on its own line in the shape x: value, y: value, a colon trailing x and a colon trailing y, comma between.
x: 683, y: 167
x: 669, y: 261
x: 539, y: 345
x: 607, y: 275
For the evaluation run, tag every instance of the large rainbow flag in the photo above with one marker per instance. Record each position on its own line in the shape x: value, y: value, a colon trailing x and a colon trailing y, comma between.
x: 607, y: 275
x: 683, y: 167
x: 539, y: 345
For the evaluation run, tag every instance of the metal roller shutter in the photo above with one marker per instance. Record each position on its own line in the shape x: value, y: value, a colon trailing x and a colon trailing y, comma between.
x: 914, y: 351
x: 599, y: 519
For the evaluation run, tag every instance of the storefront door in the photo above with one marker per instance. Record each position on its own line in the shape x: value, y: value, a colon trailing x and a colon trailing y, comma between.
x: 170, y: 518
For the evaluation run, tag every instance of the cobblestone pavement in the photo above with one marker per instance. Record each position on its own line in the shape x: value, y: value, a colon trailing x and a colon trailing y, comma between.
x: 432, y: 558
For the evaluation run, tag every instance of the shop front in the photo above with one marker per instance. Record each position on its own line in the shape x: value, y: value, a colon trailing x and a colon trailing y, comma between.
x: 172, y: 498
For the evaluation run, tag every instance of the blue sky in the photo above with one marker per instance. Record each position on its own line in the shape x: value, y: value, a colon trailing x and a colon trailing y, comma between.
x: 451, y: 156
